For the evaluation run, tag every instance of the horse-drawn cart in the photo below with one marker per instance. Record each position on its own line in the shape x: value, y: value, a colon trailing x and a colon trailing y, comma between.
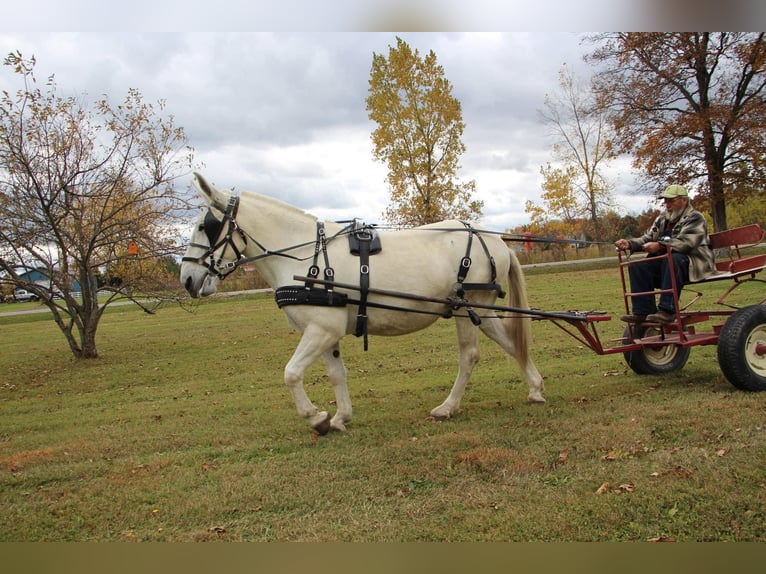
x: 656, y: 348
x: 739, y: 332
x: 408, y: 280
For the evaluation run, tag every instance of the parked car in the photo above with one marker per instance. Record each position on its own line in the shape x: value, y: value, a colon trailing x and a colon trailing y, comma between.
x: 23, y: 296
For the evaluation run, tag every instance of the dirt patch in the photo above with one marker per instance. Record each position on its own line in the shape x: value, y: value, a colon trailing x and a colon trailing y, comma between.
x: 25, y: 458
x: 496, y: 459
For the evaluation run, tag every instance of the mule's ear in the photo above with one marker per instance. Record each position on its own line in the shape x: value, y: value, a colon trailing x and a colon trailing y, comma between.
x: 208, y: 191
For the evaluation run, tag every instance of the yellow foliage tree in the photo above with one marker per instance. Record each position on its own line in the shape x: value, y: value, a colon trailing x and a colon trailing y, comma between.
x: 562, y: 210
x: 418, y: 137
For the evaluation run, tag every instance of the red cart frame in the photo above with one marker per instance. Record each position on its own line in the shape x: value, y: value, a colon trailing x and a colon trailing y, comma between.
x: 651, y: 348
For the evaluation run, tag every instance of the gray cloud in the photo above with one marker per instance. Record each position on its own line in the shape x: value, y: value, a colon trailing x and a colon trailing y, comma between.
x: 284, y: 113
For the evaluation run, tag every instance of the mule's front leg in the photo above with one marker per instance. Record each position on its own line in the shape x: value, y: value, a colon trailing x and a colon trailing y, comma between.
x: 336, y: 371
x: 315, y: 342
x: 468, y: 342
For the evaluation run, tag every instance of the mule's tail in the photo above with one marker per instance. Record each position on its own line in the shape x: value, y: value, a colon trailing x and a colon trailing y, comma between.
x: 518, y: 326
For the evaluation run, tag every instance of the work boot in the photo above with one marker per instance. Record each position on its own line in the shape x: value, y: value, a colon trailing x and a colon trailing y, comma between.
x: 661, y: 316
x: 633, y: 318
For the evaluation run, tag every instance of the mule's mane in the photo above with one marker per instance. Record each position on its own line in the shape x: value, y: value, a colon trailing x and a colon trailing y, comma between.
x: 277, y: 205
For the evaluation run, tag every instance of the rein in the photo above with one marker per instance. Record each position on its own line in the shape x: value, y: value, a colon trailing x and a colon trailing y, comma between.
x: 217, y: 268
x: 455, y: 303
x: 213, y: 228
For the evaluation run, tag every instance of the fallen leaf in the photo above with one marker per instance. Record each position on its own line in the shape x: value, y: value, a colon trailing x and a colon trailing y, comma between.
x: 563, y: 456
x: 679, y: 471
x: 627, y: 487
x: 661, y: 539
x: 611, y: 455
x: 206, y: 466
x: 722, y: 451
x: 603, y: 488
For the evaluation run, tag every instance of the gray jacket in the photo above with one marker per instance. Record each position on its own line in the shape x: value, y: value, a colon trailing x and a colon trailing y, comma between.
x: 688, y: 236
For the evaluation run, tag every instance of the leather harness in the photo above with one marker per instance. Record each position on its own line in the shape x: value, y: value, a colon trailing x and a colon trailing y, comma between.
x: 364, y: 241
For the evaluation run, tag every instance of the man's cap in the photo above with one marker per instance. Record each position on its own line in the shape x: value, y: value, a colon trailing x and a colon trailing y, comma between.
x: 673, y: 191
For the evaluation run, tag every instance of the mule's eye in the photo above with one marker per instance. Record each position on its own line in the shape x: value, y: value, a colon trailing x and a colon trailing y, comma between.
x: 201, y: 227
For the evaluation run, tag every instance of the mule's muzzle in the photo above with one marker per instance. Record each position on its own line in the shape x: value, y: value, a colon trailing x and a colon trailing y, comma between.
x: 189, y: 286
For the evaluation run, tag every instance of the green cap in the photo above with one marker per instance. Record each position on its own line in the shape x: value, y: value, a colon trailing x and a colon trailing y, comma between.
x: 673, y: 191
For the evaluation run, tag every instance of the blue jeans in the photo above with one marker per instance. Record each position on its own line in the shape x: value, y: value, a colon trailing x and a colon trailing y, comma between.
x: 654, y: 273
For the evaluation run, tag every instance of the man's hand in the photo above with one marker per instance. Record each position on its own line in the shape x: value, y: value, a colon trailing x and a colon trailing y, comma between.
x: 653, y: 247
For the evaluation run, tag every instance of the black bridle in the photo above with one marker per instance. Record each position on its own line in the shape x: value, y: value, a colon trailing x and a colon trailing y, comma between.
x: 214, y: 230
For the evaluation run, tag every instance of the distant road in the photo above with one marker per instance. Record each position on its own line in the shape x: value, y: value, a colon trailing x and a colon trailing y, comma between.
x: 43, y: 309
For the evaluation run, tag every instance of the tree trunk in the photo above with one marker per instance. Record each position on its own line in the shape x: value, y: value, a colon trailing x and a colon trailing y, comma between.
x: 79, y: 328
x: 717, y: 201
x: 88, y: 346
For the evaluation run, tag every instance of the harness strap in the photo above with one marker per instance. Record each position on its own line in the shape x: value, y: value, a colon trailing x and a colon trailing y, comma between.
x: 320, y: 246
x: 465, y: 267
x: 364, y: 286
x: 465, y: 263
x: 296, y: 295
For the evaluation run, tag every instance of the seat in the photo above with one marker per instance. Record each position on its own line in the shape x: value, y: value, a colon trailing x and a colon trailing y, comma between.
x: 736, y: 264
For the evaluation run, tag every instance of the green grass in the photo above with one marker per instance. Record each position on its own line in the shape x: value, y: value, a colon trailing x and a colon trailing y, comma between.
x: 183, y: 431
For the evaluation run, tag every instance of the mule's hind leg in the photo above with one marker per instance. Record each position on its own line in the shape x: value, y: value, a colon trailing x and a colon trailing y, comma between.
x: 314, y: 343
x: 336, y: 371
x: 468, y: 343
x: 494, y: 329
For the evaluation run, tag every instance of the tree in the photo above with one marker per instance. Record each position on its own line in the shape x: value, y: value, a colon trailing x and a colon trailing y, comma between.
x: 691, y: 107
x: 418, y: 137
x: 583, y: 144
x: 83, y: 192
x: 560, y: 202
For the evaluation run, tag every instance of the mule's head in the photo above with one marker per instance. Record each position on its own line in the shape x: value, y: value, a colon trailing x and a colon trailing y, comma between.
x: 208, y: 251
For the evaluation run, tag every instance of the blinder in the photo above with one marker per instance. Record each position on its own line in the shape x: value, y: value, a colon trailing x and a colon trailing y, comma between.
x: 212, y: 226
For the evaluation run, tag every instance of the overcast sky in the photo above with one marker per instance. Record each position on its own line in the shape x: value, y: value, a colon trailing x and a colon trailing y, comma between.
x: 283, y: 114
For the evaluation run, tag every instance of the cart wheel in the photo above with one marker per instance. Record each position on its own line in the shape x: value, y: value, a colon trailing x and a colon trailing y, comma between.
x: 653, y: 360
x: 742, y: 348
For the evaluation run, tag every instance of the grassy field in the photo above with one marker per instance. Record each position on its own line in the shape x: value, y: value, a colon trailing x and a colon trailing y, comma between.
x: 183, y: 431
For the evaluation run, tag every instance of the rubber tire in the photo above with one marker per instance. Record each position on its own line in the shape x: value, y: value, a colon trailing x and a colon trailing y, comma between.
x: 649, y: 361
x: 737, y: 358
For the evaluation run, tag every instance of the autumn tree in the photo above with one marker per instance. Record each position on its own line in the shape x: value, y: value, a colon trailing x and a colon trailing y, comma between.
x: 85, y: 191
x: 560, y: 207
x: 690, y: 107
x: 582, y: 146
x: 418, y: 137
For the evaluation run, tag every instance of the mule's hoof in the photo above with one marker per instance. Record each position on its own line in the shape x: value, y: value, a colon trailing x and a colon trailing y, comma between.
x: 337, y: 426
x: 536, y: 401
x: 323, y: 426
x: 440, y: 415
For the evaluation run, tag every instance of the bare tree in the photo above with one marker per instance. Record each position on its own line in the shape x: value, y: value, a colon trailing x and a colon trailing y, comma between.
x: 85, y: 192
x: 583, y: 144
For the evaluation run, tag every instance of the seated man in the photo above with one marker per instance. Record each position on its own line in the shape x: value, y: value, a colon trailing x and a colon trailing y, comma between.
x: 684, y: 229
